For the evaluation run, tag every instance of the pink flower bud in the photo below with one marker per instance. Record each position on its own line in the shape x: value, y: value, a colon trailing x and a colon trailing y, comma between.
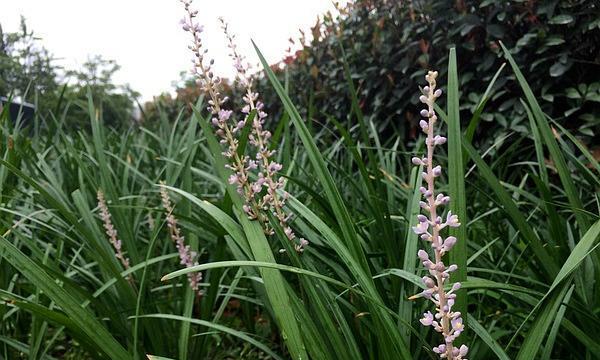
x: 449, y: 243
x: 440, y: 349
x: 439, y: 140
x: 422, y: 254
x: 428, y: 282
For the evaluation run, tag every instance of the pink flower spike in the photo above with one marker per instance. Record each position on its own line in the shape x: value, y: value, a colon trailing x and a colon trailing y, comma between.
x: 447, y: 323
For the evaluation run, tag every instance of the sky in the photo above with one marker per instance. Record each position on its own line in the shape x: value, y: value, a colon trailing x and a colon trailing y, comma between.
x: 145, y: 38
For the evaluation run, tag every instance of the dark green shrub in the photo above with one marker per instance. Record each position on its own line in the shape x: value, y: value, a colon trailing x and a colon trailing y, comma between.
x: 391, y: 44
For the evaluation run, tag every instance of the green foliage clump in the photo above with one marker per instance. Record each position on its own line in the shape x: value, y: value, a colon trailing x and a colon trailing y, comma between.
x: 390, y: 45
x: 26, y: 66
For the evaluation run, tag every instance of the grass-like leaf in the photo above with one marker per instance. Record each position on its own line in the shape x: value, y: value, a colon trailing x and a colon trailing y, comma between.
x: 83, y: 318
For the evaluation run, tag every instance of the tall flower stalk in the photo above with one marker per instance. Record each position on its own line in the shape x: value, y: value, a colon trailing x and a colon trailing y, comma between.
x: 445, y: 321
x: 110, y: 230
x: 187, y: 257
x: 241, y: 165
x: 256, y: 202
x: 259, y: 138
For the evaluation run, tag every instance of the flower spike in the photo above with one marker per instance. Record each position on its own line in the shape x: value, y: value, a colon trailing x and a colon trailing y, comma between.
x: 445, y: 321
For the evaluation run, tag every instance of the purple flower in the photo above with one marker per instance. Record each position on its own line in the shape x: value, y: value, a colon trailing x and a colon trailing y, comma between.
x: 463, y: 350
x: 427, y: 319
x: 224, y: 115
x: 421, y: 228
x: 440, y: 349
x: 233, y: 179
x: 274, y: 167
x: 452, y: 220
x: 457, y: 325
x: 441, y: 199
x: 448, y: 243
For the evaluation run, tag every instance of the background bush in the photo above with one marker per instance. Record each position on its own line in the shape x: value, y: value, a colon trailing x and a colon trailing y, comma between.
x: 29, y: 72
x: 391, y: 44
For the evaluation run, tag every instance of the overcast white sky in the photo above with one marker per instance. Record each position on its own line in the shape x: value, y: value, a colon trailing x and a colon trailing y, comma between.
x: 145, y: 38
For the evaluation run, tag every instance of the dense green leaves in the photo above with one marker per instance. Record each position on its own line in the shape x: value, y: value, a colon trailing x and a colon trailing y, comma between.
x: 389, y: 46
x: 83, y: 320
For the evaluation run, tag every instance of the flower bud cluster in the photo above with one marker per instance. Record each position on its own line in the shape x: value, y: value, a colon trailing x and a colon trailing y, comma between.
x: 201, y: 68
x: 187, y: 257
x: 445, y: 321
x: 221, y: 118
x: 261, y: 196
x: 110, y: 230
x: 263, y: 162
